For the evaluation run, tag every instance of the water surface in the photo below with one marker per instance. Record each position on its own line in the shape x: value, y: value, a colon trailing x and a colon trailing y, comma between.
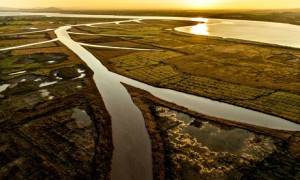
x: 265, y: 32
x: 3, y: 87
x: 132, y: 158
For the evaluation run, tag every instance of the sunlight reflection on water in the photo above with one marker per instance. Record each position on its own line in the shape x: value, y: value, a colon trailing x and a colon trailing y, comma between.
x: 200, y: 29
x: 200, y: 19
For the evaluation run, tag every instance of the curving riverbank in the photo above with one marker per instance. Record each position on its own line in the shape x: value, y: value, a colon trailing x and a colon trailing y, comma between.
x: 132, y: 153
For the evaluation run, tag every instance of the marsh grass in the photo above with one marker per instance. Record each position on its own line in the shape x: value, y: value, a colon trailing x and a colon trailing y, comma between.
x: 254, y: 76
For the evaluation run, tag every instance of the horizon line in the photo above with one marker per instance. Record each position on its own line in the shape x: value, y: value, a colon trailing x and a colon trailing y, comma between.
x: 144, y: 9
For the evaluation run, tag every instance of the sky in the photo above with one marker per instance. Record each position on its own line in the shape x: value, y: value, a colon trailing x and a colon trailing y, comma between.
x: 154, y: 4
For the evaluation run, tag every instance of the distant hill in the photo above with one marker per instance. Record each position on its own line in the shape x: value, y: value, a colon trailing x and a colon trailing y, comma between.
x: 8, y: 9
x: 48, y: 9
x: 42, y: 9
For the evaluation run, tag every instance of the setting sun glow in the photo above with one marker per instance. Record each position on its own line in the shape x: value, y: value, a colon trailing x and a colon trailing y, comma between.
x: 153, y: 4
x: 196, y: 4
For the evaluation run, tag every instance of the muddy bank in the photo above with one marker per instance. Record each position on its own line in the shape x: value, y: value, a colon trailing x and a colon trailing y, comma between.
x: 158, y: 155
x: 190, y: 145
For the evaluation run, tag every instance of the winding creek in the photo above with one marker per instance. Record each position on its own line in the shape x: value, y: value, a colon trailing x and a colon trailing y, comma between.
x: 132, y: 155
x: 28, y: 45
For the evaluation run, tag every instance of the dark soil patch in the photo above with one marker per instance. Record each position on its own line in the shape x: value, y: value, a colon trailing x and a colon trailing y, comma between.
x: 261, y: 157
x: 109, y: 53
x: 42, y: 57
x: 4, y: 54
x: 26, y: 77
x: 283, y: 57
x: 68, y: 73
x: 125, y: 44
x: 57, y: 56
x: 24, y: 87
x: 95, y: 39
x: 26, y: 60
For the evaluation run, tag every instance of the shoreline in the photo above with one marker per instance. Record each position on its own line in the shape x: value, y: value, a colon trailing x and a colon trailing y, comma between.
x: 282, y: 134
x: 241, y: 41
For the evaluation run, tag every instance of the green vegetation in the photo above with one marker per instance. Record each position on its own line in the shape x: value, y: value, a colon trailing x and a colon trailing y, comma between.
x: 7, y: 40
x: 259, y: 77
x: 15, y: 64
x: 38, y: 127
x: 145, y: 29
x: 189, y: 145
x: 18, y: 42
x: 18, y: 24
x: 41, y: 136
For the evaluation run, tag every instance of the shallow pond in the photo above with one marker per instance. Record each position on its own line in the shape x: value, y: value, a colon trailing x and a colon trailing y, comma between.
x: 217, y: 137
x: 81, y: 117
x: 3, y: 87
x: 200, y: 149
x: 44, y: 84
x: 16, y: 73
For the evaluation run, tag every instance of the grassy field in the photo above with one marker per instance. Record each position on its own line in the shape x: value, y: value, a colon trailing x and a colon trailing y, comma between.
x: 259, y: 77
x: 132, y: 28
x: 34, y: 23
x: 17, y: 40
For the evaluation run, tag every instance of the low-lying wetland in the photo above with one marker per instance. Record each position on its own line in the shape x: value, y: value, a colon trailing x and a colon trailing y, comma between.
x: 53, y: 122
x: 197, y: 148
x: 257, y: 77
x: 187, y: 145
x: 55, y: 128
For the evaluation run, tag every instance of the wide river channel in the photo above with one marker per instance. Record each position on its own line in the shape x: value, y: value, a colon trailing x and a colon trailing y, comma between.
x: 132, y: 154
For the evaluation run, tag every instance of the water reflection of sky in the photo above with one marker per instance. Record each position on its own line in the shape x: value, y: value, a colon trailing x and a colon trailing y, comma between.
x: 215, y: 137
x: 266, y: 32
x: 210, y: 150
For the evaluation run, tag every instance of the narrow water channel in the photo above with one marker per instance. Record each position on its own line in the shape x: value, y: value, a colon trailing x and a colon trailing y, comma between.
x: 132, y: 158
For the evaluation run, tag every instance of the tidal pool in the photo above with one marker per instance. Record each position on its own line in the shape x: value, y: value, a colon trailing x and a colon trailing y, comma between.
x: 81, y: 117
x: 200, y: 149
x: 217, y: 137
x: 15, y: 73
x: 3, y: 87
x: 44, y: 84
